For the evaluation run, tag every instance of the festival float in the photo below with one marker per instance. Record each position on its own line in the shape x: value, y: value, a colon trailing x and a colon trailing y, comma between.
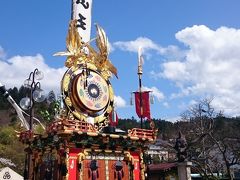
x: 82, y: 142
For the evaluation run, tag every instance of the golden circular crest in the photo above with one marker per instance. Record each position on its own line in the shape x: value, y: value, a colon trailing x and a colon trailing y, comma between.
x: 87, y: 93
x: 92, y: 91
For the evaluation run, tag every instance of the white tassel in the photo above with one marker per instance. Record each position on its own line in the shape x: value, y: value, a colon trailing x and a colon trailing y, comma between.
x: 131, y: 99
x: 151, y: 99
x: 19, y: 112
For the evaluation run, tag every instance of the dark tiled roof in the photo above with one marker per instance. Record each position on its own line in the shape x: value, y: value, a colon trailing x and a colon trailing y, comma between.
x: 161, y: 166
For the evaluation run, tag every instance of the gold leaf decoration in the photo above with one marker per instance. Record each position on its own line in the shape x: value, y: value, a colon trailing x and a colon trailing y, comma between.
x: 74, y: 46
x: 77, y: 54
x: 103, y: 46
x: 68, y: 101
x: 66, y: 82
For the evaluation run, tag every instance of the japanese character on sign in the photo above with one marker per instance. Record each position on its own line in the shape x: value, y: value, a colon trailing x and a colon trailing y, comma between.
x: 84, y: 3
x: 81, y: 21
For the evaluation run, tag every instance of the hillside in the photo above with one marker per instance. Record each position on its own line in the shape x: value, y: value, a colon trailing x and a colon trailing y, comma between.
x: 6, y: 116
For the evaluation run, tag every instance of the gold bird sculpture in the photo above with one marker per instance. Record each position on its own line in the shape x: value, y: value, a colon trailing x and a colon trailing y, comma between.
x: 76, y: 53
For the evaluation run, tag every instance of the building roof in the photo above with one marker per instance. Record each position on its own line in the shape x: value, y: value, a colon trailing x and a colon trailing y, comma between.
x: 161, y: 166
x: 8, y: 173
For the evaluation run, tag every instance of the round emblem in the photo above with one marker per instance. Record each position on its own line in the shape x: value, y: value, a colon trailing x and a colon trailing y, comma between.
x: 87, y: 93
x: 92, y: 91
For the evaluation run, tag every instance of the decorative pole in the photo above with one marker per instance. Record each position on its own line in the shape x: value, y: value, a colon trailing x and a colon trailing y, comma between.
x: 140, y: 72
x: 19, y: 111
x: 27, y: 103
x: 36, y: 94
x: 81, y: 11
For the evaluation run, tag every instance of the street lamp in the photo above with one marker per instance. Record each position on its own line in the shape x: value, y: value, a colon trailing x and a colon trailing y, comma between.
x: 36, y: 94
x: 27, y: 103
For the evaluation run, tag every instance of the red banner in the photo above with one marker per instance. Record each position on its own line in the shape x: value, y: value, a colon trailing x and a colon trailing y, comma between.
x: 73, y: 164
x: 142, y: 104
x: 136, y: 161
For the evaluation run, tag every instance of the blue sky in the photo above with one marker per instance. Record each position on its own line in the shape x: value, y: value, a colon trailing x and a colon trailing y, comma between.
x: 190, y: 48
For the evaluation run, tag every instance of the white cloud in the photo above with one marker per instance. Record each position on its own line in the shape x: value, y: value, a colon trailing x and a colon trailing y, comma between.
x: 15, y: 71
x: 211, y: 66
x: 166, y: 105
x: 156, y: 92
x: 148, y: 45
x: 119, y: 102
x: 173, y: 119
x: 175, y: 70
x: 111, y: 47
x: 133, y: 46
